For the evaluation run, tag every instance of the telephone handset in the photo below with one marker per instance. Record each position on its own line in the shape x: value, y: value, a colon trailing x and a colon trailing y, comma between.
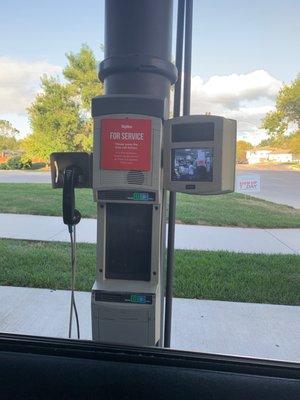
x: 71, y: 216
x: 69, y: 171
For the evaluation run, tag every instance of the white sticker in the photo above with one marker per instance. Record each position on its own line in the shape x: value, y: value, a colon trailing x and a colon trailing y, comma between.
x: 249, y: 183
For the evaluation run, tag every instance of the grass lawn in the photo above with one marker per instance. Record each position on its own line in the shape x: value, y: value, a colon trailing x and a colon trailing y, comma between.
x: 202, y: 275
x: 225, y: 210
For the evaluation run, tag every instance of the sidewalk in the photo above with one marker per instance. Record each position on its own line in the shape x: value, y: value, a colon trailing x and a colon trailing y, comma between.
x: 189, y: 237
x: 240, y: 329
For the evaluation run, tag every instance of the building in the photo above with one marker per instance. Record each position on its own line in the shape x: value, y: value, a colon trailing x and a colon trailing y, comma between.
x: 280, y: 156
x: 256, y: 156
x: 268, y: 154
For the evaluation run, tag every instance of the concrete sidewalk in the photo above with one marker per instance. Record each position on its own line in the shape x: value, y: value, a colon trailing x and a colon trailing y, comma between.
x: 245, y: 240
x: 241, y: 329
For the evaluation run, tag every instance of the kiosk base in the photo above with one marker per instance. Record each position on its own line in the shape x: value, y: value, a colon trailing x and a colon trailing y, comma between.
x: 127, y: 318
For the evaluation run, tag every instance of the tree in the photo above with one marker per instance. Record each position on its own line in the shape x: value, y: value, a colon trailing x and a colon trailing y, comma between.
x: 293, y: 142
x: 241, y: 149
x: 81, y: 72
x: 276, y: 126
x: 266, y: 143
x: 55, y: 120
x: 8, y: 137
x: 59, y: 116
x: 288, y: 102
x: 286, y: 114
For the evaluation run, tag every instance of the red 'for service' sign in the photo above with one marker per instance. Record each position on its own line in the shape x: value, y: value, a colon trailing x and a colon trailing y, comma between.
x: 126, y: 144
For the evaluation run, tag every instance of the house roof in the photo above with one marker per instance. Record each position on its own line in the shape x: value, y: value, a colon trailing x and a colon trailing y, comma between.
x: 273, y: 150
x: 281, y: 151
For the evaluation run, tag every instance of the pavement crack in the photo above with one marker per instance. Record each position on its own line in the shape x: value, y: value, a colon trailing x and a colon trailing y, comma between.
x: 56, y: 234
x: 284, y: 244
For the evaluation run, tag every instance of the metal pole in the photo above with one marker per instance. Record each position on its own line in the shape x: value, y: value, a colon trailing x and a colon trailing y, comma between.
x: 172, y: 199
x: 188, y: 57
x: 138, y: 48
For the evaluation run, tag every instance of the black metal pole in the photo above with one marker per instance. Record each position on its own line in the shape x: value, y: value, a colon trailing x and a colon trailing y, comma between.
x: 188, y: 57
x: 138, y: 48
x: 172, y: 199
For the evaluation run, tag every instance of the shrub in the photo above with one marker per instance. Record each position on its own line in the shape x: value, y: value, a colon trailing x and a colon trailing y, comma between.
x: 26, y: 162
x: 14, y: 163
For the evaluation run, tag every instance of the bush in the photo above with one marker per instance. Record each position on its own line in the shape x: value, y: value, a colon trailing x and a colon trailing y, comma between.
x: 26, y: 162
x: 14, y: 163
x: 17, y: 162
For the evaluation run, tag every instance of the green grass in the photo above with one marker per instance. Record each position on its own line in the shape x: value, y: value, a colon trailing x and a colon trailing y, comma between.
x: 41, y: 199
x: 235, y: 210
x: 202, y: 275
x: 226, y: 210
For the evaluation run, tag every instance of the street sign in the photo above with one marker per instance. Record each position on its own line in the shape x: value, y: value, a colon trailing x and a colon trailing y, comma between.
x: 249, y: 183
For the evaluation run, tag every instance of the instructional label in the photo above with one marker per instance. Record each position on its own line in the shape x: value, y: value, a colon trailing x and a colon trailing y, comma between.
x: 126, y: 144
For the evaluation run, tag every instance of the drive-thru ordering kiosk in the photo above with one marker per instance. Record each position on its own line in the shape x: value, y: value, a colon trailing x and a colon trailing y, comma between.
x: 128, y: 180
x: 128, y: 187
x: 139, y: 154
x: 135, y: 158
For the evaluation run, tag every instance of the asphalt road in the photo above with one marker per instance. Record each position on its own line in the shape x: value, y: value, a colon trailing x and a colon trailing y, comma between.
x: 24, y: 177
x: 277, y: 186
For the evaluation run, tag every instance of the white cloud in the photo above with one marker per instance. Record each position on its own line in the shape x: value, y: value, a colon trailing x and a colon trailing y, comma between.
x: 19, y: 121
x: 20, y: 81
x: 245, y: 97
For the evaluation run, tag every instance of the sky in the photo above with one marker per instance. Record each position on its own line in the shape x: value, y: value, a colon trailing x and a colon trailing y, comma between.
x: 243, y: 52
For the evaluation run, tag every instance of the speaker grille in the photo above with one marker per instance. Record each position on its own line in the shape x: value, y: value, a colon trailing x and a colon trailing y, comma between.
x: 135, y: 177
x: 120, y: 178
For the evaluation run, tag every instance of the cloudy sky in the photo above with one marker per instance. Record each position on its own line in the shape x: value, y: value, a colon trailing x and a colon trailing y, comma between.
x: 242, y: 53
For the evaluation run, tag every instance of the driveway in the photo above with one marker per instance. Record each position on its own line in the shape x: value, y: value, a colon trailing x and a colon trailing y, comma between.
x: 278, y: 186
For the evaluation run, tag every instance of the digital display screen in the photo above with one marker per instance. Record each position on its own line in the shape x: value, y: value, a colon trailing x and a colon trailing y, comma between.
x: 138, y: 298
x: 193, y: 165
x: 121, y: 195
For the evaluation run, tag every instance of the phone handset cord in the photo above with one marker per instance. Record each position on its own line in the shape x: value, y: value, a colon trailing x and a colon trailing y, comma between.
x: 72, y: 231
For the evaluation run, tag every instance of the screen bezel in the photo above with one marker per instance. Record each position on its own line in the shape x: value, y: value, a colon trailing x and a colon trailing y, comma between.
x: 199, y: 188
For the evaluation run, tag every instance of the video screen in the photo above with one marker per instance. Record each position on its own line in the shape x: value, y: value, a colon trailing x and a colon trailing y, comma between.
x: 195, y: 165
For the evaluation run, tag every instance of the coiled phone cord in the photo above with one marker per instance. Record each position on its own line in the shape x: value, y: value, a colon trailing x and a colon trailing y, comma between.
x: 72, y: 231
